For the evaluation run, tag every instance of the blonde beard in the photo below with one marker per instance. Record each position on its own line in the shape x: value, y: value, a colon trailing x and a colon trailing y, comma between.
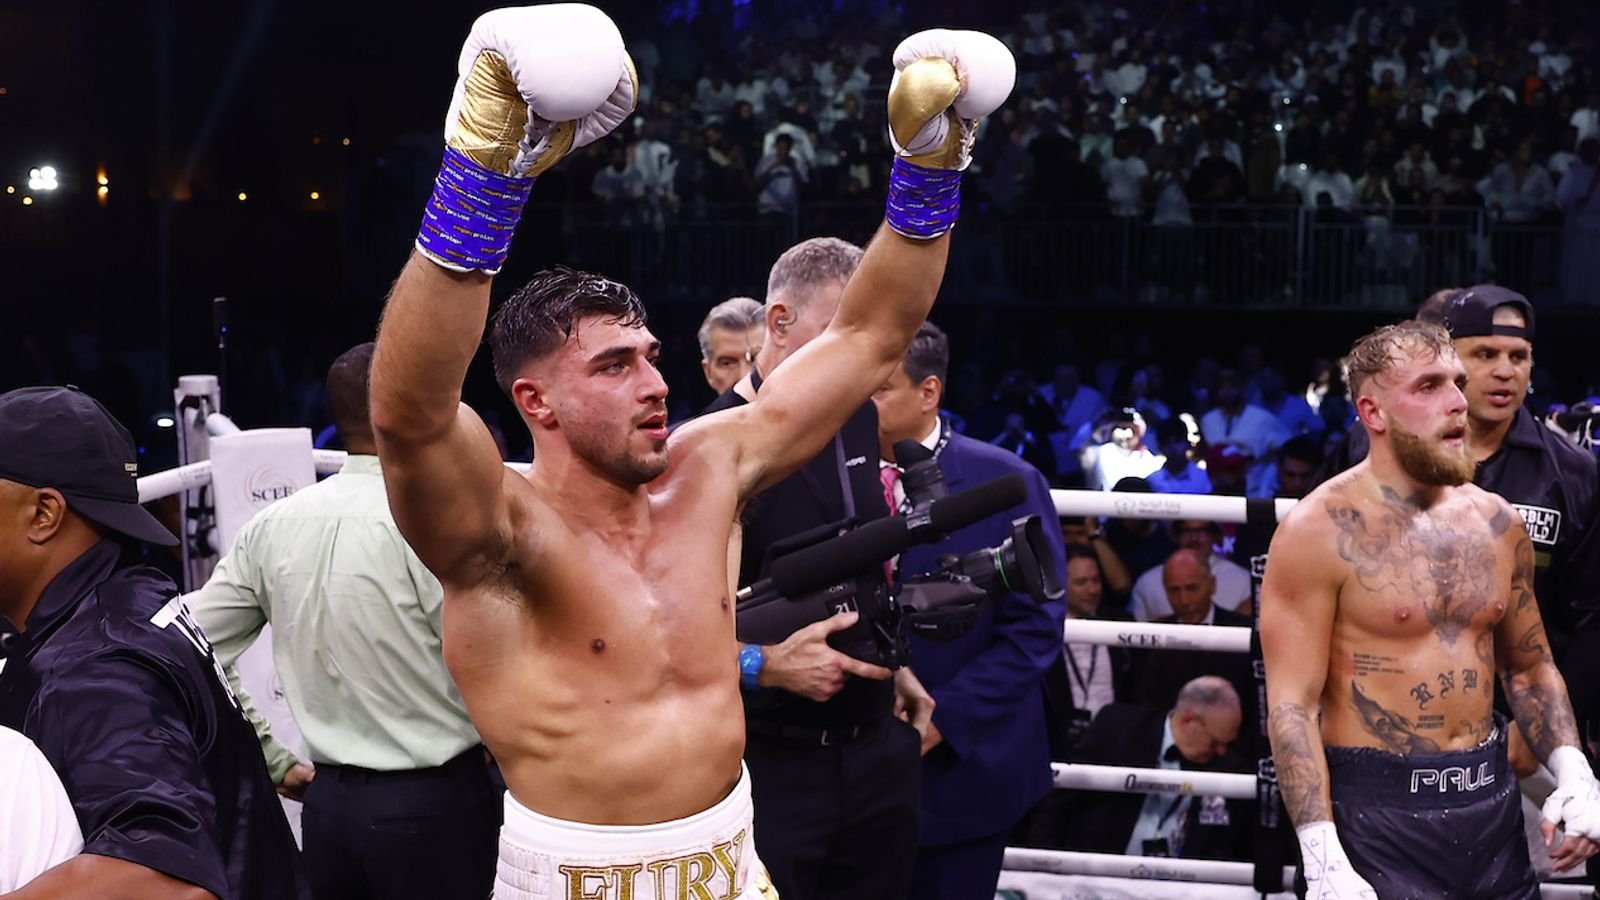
x: 1420, y: 460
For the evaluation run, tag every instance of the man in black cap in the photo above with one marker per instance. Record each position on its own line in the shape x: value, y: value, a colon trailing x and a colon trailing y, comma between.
x: 108, y: 674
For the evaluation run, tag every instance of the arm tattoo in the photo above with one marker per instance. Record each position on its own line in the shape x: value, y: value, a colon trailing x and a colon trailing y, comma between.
x: 1397, y: 732
x: 1302, y: 773
x: 1522, y: 575
x: 1397, y: 547
x: 1544, y: 714
x: 1532, y: 641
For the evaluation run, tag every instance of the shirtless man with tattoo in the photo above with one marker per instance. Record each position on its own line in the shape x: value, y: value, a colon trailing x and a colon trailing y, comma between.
x: 1393, y: 595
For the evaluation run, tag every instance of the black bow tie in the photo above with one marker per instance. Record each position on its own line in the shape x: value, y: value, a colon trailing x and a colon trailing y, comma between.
x: 1172, y: 755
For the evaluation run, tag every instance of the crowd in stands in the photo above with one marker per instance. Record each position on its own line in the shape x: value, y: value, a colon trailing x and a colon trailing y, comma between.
x: 1397, y: 105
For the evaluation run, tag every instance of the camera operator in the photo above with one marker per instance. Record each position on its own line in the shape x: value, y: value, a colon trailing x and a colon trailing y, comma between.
x: 833, y: 771
x: 986, y: 754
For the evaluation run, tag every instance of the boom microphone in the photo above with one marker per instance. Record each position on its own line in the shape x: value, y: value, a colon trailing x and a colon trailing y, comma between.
x: 859, y: 550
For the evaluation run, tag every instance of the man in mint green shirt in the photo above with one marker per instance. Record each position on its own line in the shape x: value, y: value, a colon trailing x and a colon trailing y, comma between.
x: 402, y: 803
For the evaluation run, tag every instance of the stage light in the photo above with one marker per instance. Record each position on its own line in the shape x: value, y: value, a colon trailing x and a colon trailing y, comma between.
x: 1277, y: 126
x: 243, y: 196
x: 27, y: 201
x: 165, y: 421
x: 345, y: 142
x: 316, y: 195
x: 11, y: 189
x: 42, y: 178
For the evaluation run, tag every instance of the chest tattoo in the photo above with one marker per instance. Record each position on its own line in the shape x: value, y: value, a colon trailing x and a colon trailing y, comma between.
x: 1446, y: 566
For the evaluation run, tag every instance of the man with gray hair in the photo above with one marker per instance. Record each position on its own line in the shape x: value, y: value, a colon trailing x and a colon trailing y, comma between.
x: 729, y: 339
x: 835, y: 775
x: 1196, y: 733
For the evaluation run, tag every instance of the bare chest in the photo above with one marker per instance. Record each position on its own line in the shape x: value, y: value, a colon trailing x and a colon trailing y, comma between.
x: 1414, y: 575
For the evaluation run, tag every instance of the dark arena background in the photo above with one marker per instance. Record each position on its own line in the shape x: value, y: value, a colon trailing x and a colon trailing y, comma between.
x: 1185, y: 209
x: 278, y: 154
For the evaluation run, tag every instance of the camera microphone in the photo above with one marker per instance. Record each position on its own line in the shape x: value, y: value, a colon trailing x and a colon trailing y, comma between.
x: 855, y: 551
x: 920, y: 474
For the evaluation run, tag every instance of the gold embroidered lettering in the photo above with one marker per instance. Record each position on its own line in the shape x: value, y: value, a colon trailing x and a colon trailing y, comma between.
x: 694, y: 873
x: 729, y: 863
x: 600, y: 882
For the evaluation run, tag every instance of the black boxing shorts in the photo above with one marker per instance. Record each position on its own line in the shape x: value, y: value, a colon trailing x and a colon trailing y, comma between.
x: 1433, y: 825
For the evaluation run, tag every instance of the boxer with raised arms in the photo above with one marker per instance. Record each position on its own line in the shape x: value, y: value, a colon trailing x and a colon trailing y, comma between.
x: 588, y: 611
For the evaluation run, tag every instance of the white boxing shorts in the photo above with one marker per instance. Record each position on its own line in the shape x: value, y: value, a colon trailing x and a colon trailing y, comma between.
x: 708, y: 854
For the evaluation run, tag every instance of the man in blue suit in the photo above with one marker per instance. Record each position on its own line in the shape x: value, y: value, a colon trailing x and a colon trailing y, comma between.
x: 986, y: 757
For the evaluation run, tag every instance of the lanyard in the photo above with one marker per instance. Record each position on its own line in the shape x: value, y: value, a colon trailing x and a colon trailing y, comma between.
x: 1176, y: 802
x: 1081, y: 682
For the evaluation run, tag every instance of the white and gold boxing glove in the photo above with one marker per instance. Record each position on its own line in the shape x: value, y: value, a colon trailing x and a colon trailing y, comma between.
x: 945, y: 82
x: 533, y: 83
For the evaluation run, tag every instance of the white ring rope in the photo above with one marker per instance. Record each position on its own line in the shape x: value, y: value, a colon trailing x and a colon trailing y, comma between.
x: 1159, y: 868
x: 1133, y: 780
x: 1198, y: 871
x: 218, y: 424
x: 1137, y: 635
x: 175, y: 481
x: 1122, y: 505
x: 1158, y: 635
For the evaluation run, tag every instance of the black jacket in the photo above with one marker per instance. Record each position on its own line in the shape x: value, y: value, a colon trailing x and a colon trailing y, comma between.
x: 1062, y: 714
x: 119, y: 689
x: 810, y: 498
x: 1101, y: 822
x: 1160, y: 674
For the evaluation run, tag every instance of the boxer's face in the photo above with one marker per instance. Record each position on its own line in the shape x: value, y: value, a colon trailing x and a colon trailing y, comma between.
x: 1425, y: 414
x: 606, y: 396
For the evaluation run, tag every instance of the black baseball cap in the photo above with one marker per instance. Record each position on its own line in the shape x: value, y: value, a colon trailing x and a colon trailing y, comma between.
x: 1470, y: 313
x: 62, y: 438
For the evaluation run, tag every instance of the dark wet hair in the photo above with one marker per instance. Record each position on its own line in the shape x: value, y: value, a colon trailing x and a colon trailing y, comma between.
x: 535, y: 321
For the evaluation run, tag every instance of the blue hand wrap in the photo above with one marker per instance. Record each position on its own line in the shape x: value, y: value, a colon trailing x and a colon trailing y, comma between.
x: 469, y: 220
x: 923, y: 203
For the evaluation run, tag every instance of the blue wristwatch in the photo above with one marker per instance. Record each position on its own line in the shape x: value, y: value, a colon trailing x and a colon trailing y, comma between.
x: 751, y: 659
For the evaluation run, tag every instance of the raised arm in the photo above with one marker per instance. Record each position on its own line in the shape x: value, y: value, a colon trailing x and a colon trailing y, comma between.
x: 1299, y: 597
x: 533, y: 83
x: 1538, y: 697
x: 946, y: 81
x: 437, y: 454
